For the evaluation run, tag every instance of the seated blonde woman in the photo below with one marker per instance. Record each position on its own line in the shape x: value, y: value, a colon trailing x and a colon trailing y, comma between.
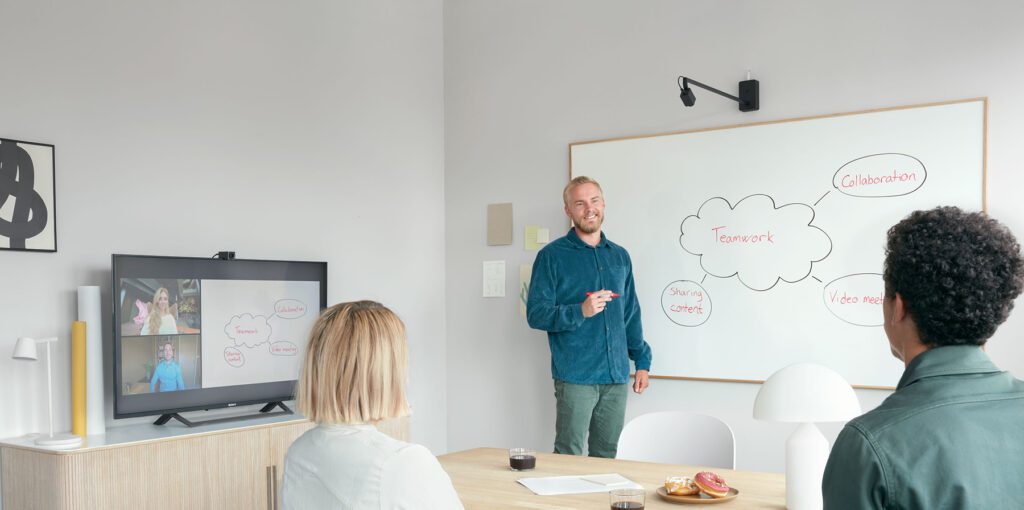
x: 354, y: 376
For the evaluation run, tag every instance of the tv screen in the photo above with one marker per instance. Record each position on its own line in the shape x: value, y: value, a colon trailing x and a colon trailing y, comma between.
x: 197, y: 333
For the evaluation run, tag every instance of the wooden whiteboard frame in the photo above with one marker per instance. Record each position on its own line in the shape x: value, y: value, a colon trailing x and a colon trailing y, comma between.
x: 984, y: 182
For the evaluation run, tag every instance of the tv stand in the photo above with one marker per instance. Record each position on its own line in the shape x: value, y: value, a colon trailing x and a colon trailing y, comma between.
x: 264, y: 411
x: 226, y: 466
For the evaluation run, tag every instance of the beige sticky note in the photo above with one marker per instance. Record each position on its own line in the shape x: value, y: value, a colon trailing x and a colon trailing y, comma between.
x: 499, y: 224
x: 543, y: 236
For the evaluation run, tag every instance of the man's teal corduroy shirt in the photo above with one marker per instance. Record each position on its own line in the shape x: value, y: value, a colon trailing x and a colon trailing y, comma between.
x: 593, y: 350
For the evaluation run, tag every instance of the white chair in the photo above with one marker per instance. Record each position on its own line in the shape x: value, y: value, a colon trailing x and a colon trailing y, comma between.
x: 678, y: 438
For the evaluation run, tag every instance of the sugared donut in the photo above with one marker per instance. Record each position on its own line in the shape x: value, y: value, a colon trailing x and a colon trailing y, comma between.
x: 681, y: 486
x: 712, y: 484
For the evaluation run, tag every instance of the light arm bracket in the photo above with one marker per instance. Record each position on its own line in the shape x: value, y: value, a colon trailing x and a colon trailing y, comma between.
x: 748, y: 99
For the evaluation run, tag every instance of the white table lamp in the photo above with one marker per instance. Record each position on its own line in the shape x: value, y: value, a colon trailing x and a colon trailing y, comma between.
x: 806, y: 393
x: 25, y: 349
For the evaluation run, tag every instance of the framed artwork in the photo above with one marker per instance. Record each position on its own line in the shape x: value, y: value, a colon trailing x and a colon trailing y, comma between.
x: 28, y: 219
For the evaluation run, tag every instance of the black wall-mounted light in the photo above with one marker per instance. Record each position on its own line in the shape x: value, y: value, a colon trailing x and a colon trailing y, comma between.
x: 749, y: 99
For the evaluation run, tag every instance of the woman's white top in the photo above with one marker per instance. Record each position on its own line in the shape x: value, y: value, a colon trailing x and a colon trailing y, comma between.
x: 357, y: 467
x: 168, y: 326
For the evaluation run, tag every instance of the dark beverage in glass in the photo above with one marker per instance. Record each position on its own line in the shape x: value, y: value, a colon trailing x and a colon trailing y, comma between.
x: 522, y: 462
x: 521, y: 459
x: 630, y: 505
x: 633, y: 499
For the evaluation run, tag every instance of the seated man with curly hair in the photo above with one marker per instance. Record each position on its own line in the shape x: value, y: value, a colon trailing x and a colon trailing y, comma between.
x: 952, y: 435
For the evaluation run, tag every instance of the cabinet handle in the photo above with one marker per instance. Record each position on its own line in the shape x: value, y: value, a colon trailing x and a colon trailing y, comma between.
x: 275, y: 485
x: 270, y: 488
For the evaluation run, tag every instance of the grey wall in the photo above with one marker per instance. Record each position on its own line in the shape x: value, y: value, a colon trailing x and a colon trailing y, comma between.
x: 524, y: 79
x: 309, y: 131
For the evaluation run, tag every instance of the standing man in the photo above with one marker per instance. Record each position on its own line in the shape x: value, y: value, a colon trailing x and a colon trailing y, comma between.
x: 582, y: 294
x: 952, y: 435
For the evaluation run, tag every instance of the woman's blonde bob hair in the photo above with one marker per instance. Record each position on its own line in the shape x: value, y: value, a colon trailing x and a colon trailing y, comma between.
x: 355, y: 365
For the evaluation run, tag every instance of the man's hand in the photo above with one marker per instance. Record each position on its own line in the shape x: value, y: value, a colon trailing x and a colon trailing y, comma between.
x: 640, y: 382
x: 595, y: 303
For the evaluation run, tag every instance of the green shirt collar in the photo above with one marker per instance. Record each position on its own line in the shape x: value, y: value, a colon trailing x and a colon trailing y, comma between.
x: 577, y: 242
x: 947, y: 360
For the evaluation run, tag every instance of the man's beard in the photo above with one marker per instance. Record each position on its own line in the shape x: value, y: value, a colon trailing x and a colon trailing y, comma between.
x: 592, y: 228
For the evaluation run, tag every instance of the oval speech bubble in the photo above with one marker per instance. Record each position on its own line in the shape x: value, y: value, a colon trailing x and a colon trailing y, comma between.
x: 289, y: 308
x: 234, y: 357
x: 880, y: 175
x: 856, y: 299
x: 686, y: 303
x: 283, y: 348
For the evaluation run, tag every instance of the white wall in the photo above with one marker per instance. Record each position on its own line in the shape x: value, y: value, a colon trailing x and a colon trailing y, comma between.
x: 309, y: 131
x: 524, y: 79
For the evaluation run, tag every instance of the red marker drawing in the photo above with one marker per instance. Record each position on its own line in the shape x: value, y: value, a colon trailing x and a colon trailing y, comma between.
x: 613, y: 294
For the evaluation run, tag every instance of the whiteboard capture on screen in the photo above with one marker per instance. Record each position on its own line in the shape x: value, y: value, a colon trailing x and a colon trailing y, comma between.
x: 758, y: 246
x: 255, y: 331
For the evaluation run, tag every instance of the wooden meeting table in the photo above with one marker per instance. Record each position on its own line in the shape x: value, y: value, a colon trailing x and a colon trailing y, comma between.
x: 483, y: 480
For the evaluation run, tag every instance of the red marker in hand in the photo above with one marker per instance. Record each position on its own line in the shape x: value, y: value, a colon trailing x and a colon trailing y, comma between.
x: 613, y: 294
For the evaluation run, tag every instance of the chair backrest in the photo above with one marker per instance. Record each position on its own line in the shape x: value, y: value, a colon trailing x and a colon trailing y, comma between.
x: 675, y: 437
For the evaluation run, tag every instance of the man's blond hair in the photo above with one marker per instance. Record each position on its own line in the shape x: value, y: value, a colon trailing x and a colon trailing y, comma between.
x: 355, y: 367
x: 583, y: 179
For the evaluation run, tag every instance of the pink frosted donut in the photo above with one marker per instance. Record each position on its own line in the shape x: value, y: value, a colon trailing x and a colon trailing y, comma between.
x: 712, y: 484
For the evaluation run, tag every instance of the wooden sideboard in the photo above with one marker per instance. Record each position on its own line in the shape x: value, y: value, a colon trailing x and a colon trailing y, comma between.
x: 222, y: 466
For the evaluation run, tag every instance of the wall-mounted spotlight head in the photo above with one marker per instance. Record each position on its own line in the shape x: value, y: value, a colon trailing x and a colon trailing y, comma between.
x: 749, y: 93
x: 686, y: 94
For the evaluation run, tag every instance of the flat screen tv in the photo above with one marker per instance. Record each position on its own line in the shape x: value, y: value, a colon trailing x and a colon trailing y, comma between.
x: 197, y: 333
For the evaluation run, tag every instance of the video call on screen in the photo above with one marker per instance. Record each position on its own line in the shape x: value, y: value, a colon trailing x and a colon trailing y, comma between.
x: 188, y: 334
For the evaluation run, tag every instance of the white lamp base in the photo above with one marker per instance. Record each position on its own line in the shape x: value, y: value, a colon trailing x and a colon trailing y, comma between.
x: 60, y: 441
x: 806, y: 456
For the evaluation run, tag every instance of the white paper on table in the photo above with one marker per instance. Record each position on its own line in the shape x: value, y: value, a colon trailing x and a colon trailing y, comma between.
x: 609, y: 479
x: 577, y: 484
x: 494, y: 278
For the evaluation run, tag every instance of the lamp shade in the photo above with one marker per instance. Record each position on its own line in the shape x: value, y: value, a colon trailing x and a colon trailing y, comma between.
x: 25, y: 349
x: 806, y: 393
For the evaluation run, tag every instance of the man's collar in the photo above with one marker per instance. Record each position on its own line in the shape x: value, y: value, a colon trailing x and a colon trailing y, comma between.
x: 574, y: 238
x: 947, y: 360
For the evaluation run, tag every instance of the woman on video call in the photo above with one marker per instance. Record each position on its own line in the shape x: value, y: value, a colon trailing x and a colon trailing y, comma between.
x: 354, y: 376
x: 160, y: 321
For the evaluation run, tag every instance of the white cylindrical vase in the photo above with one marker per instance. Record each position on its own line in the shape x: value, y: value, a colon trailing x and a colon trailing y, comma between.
x: 806, y: 456
x: 89, y: 312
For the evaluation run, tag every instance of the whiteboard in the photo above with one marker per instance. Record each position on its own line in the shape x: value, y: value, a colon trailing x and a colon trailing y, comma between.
x: 758, y: 246
x: 255, y: 331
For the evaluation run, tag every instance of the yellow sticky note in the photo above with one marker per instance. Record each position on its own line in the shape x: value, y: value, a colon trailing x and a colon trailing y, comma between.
x: 530, y: 239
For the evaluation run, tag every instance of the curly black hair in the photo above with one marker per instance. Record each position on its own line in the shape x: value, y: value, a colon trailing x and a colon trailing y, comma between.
x: 957, y: 272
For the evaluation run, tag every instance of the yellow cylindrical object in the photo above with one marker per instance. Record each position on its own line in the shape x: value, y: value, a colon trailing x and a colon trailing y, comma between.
x: 78, y: 378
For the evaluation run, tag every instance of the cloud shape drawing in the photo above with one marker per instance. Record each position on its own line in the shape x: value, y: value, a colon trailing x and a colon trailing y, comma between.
x: 248, y: 330
x: 755, y: 240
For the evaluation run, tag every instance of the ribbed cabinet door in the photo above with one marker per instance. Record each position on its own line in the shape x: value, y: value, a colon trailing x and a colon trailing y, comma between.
x: 33, y: 481
x: 213, y: 471
x: 235, y: 471
x: 279, y: 439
